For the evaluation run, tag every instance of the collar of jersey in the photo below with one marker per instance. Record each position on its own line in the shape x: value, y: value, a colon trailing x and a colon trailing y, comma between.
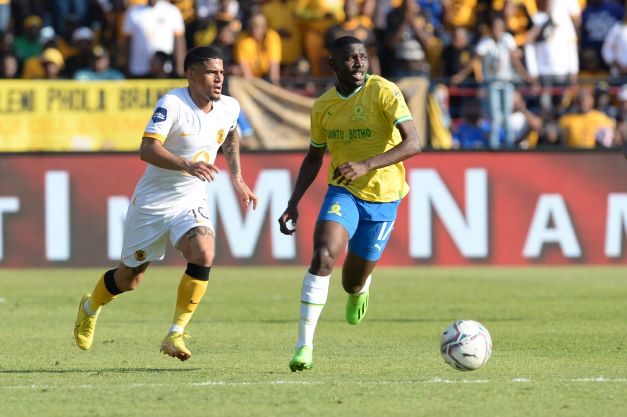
x: 355, y: 91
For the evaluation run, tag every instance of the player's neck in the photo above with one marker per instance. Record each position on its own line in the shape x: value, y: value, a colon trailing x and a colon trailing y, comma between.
x: 201, y: 102
x: 347, y: 90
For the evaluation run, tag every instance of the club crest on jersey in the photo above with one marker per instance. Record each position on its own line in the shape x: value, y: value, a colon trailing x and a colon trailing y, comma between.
x: 220, y: 137
x: 159, y: 115
x: 140, y: 255
x: 359, y: 113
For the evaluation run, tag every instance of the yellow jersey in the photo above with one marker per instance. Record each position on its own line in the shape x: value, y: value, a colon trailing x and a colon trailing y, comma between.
x: 259, y: 56
x: 582, y: 130
x: 361, y: 126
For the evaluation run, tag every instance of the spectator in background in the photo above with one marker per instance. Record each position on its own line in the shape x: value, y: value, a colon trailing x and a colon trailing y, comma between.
x: 525, y: 124
x: 63, y: 40
x: 551, y: 52
x: 48, y: 65
x: 9, y: 66
x: 225, y: 43
x: 359, y: 26
x: 161, y: 66
x: 621, y: 130
x: 518, y: 18
x: 586, y: 127
x: 596, y: 20
x: 83, y: 41
x: 258, y: 50
x: 59, y: 9
x: 281, y: 16
x: 469, y: 134
x: 591, y: 64
x: 7, y: 40
x: 316, y: 17
x: 156, y: 26
x: 458, y: 65
x: 99, y: 67
x: 207, y: 8
x: 5, y: 15
x: 499, y: 63
x: 408, y: 38
x: 28, y: 45
x: 207, y: 27
x: 460, y: 13
x: 603, y: 100
x: 614, y: 48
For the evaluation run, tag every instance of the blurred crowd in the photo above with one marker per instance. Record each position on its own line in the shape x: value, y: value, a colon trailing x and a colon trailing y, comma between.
x: 502, y: 73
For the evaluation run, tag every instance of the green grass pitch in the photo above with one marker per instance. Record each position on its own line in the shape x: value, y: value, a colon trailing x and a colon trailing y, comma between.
x: 559, y: 333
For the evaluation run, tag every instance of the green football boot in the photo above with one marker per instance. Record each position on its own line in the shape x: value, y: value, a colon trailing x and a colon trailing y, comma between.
x: 302, y: 359
x: 356, y: 307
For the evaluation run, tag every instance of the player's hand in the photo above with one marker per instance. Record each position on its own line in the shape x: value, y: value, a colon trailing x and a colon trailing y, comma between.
x: 243, y: 192
x: 202, y: 170
x: 289, y: 215
x: 348, y: 171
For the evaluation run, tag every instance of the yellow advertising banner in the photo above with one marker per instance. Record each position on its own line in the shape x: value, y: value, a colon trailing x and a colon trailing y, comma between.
x: 77, y: 116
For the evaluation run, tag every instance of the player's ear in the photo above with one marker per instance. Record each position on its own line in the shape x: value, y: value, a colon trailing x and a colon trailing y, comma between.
x: 189, y: 74
x: 331, y: 62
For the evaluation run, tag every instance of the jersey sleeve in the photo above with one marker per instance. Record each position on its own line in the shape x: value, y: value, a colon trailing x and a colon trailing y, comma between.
x: 236, y: 110
x: 162, y: 119
x: 318, y: 138
x: 393, y: 104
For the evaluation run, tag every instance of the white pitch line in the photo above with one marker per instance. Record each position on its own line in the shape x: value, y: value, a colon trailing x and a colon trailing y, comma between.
x: 435, y: 380
x: 600, y: 379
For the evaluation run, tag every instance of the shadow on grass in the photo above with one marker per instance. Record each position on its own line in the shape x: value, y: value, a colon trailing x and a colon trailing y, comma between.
x: 96, y: 371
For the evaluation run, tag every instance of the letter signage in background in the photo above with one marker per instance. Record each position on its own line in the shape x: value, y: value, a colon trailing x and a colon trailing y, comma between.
x: 463, y: 209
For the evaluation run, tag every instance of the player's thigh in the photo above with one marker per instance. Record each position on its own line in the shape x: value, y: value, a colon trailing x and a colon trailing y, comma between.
x: 192, y: 234
x: 330, y: 236
x: 370, y: 239
x: 145, y: 237
x: 337, y: 221
x: 356, y: 269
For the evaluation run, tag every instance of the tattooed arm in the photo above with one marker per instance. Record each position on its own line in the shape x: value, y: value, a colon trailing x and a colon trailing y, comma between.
x: 231, y: 153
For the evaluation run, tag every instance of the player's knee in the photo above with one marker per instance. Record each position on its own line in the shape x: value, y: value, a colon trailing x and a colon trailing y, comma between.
x: 202, y: 257
x: 351, y: 288
x: 130, y: 282
x: 127, y: 279
x: 323, y: 260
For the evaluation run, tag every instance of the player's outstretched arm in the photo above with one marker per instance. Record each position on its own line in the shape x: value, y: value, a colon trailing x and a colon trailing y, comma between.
x: 231, y: 153
x: 409, y: 147
x: 153, y: 152
x: 306, y: 175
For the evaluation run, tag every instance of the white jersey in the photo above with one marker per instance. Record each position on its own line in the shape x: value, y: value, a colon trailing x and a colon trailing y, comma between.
x: 151, y: 29
x: 188, y: 132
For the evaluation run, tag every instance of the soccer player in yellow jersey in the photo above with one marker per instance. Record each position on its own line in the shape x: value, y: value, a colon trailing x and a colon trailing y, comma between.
x: 368, y: 130
x: 179, y: 144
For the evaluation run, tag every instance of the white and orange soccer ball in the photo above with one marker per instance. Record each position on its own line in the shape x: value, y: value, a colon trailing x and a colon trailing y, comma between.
x: 466, y: 345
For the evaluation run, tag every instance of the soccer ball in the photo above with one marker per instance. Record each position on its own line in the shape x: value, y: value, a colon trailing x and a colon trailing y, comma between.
x: 466, y: 345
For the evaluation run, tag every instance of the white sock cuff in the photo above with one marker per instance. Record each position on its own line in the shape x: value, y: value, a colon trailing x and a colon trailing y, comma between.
x: 366, y: 285
x: 176, y: 328
x: 315, y: 289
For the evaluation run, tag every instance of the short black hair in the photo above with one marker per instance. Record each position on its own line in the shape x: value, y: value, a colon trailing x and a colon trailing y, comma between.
x: 342, y: 42
x: 200, y: 54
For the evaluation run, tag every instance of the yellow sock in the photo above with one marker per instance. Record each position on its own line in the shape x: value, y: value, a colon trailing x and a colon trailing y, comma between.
x: 104, y: 291
x: 191, y: 291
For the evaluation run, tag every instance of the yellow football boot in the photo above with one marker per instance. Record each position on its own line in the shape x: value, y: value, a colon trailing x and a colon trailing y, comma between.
x: 85, y: 325
x: 174, y: 346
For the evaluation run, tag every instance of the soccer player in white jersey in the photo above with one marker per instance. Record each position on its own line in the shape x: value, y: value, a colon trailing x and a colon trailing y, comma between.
x: 368, y: 130
x: 180, y: 145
